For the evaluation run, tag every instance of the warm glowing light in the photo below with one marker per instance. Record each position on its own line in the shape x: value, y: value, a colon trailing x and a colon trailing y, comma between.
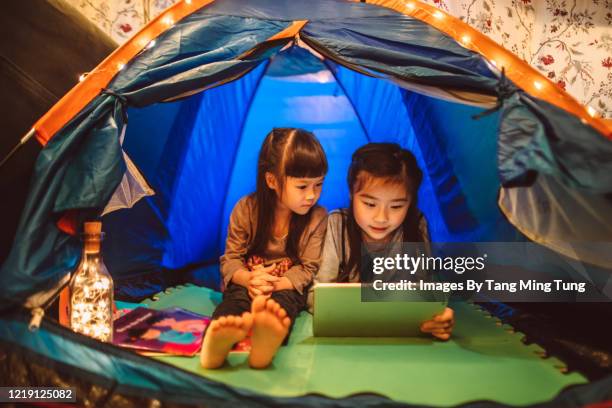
x: 538, y: 85
x: 91, y: 293
x: 410, y: 6
x: 82, y: 77
x: 187, y: 1
x: 120, y: 66
x: 168, y: 21
x: 494, y: 63
x: 151, y: 44
x: 438, y: 14
x: 466, y: 39
x: 592, y: 112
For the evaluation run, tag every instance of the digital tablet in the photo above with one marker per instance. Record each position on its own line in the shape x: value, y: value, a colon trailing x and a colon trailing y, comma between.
x: 340, y: 312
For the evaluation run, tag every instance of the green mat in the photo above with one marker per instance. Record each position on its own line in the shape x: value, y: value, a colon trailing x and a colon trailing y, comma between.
x: 483, y: 361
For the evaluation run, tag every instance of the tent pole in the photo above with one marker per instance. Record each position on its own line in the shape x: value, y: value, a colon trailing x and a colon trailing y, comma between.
x: 23, y: 141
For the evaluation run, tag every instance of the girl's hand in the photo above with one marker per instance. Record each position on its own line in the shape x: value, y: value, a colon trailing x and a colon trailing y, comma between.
x: 256, y: 282
x: 283, y: 283
x: 441, y: 326
x: 261, y: 282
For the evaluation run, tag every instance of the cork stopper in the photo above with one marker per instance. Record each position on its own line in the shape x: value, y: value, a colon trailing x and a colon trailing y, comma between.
x: 92, y: 227
x: 92, y: 236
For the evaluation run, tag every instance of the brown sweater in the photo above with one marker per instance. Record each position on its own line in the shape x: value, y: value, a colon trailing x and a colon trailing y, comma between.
x: 241, y: 232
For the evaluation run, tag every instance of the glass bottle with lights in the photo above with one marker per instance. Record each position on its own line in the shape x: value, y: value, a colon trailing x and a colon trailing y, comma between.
x: 91, y: 289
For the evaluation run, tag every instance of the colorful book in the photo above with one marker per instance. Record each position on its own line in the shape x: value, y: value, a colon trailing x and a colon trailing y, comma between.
x: 173, y: 331
x: 122, y: 308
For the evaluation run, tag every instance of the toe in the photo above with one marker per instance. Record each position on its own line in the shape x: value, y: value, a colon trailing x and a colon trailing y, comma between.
x: 286, y: 322
x: 270, y: 305
x: 247, y: 320
x: 259, y: 304
x: 214, y: 325
x: 222, y: 321
x: 281, y: 313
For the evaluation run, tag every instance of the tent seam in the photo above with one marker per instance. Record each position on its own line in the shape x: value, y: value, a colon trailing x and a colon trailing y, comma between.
x: 343, y: 89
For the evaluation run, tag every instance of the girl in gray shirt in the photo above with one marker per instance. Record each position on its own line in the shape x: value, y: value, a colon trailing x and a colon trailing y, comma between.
x: 383, y: 182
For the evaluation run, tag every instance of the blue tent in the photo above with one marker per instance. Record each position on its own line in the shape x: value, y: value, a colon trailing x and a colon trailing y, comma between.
x: 165, y: 150
x: 185, y: 222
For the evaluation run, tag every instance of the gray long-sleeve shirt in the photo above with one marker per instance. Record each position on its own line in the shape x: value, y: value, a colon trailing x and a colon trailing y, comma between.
x: 332, y: 249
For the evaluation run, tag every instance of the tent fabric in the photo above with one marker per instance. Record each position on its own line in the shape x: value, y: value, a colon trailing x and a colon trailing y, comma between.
x: 533, y: 211
x: 72, y: 157
x: 181, y: 63
x: 354, y: 82
x: 417, y: 51
x: 132, y: 188
x: 550, y: 192
x: 204, y: 49
x: 221, y: 113
x: 521, y: 73
x: 85, y: 91
x: 172, y: 231
x: 536, y: 137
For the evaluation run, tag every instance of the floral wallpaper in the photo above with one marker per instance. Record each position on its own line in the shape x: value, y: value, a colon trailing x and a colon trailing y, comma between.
x: 574, y: 49
x: 569, y: 41
x: 120, y: 19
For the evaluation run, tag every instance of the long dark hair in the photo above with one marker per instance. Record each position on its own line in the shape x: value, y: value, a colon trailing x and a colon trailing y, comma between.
x: 286, y: 152
x: 395, y: 165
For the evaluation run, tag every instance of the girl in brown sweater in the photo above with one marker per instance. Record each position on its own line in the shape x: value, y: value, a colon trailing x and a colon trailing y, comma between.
x: 279, y: 220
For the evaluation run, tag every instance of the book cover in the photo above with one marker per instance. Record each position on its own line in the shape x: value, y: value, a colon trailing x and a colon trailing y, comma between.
x: 122, y: 308
x: 173, y: 331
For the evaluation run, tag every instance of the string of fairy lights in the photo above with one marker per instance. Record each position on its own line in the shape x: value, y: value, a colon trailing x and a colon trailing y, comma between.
x: 536, y: 82
x: 91, y: 290
x: 144, y: 43
x: 91, y: 308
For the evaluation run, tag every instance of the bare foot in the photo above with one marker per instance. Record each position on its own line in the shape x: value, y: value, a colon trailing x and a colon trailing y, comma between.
x: 270, y: 326
x: 221, y: 336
